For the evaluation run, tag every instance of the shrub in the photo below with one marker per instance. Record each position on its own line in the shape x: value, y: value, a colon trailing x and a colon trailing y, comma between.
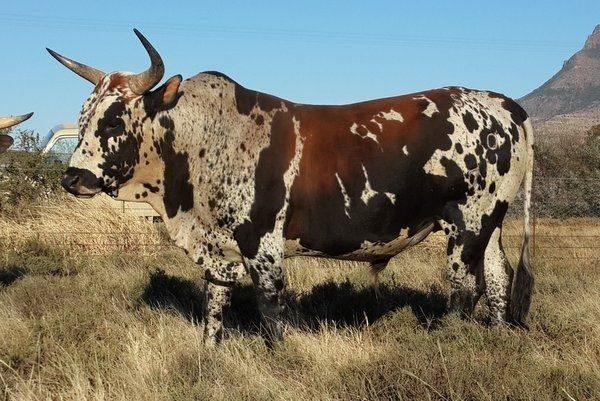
x: 26, y: 174
x: 567, y: 173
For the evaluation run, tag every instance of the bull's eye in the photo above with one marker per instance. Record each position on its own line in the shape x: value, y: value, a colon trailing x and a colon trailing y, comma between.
x: 114, y: 127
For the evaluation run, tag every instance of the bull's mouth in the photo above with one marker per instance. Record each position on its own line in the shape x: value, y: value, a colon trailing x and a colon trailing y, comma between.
x: 86, y: 194
x: 111, y: 191
x: 82, y: 192
x: 81, y: 183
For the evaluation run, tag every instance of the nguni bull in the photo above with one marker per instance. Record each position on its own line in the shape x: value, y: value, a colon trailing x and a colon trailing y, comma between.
x: 244, y: 179
x: 6, y: 141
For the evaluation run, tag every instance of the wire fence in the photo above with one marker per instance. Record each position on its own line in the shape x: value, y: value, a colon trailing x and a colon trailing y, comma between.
x: 566, y: 218
x: 566, y: 225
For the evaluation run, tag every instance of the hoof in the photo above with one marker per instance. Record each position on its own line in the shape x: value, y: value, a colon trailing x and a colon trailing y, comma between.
x: 273, y: 335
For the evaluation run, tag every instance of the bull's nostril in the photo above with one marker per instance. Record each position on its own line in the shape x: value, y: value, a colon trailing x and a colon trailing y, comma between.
x: 73, y: 181
x: 69, y: 181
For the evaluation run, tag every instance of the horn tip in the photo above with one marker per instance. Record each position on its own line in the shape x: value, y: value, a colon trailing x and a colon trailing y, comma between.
x: 138, y: 33
x: 54, y: 54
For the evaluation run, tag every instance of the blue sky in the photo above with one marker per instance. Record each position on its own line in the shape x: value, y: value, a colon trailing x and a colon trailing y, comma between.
x: 311, y: 51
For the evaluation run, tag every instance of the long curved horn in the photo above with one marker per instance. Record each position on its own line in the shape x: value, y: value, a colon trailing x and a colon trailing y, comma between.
x: 144, y: 81
x: 88, y: 73
x: 6, y: 122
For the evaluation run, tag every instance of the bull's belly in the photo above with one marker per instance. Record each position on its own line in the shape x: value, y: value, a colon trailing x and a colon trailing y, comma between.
x: 367, y: 251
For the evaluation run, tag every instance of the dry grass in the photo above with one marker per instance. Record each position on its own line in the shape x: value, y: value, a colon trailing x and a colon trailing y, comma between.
x: 121, y: 325
x: 92, y: 226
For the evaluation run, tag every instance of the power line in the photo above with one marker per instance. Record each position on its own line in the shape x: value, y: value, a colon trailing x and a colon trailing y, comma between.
x: 230, y: 32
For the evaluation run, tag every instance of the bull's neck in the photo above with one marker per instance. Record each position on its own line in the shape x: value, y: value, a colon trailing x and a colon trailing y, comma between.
x: 193, y: 144
x: 197, y: 151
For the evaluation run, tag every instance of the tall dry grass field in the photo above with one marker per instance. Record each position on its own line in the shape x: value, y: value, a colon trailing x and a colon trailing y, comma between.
x: 97, y: 306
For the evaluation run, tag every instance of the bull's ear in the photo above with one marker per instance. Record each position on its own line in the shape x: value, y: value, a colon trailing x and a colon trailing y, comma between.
x: 167, y: 95
x: 5, y: 142
x: 170, y: 90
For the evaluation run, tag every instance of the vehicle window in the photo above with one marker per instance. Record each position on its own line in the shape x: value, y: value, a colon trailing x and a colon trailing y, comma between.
x: 63, y: 149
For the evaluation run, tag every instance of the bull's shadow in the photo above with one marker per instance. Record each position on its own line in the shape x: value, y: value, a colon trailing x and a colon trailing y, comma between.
x: 342, y: 304
x: 10, y: 274
x: 173, y: 293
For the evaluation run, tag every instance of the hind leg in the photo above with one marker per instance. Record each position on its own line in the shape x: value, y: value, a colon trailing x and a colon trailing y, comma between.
x: 476, y: 261
x: 498, y: 276
x: 463, y: 274
x: 466, y: 282
x: 465, y: 295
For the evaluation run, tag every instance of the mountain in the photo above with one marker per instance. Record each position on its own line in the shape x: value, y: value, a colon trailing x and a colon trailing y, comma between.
x: 572, y: 94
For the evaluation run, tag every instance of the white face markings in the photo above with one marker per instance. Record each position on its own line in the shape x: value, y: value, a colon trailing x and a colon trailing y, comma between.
x: 345, y: 195
x: 431, y: 106
x: 391, y: 115
x: 405, y: 150
x: 89, y: 154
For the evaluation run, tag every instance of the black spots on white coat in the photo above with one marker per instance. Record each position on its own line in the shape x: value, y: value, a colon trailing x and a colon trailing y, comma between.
x: 178, y: 188
x: 469, y: 121
x: 269, y: 188
x: 120, y: 148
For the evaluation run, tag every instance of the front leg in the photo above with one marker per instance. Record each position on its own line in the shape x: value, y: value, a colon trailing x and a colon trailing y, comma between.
x: 220, y: 276
x: 216, y: 299
x: 267, y: 276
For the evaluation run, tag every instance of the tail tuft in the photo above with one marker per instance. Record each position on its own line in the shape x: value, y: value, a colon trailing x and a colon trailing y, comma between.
x: 522, y: 287
x: 523, y: 281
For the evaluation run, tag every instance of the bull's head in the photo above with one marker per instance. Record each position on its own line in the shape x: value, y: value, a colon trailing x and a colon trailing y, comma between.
x: 6, y: 122
x: 115, y: 124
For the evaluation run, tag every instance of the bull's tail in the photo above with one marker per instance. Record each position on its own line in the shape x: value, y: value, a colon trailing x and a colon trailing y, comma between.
x: 523, y: 281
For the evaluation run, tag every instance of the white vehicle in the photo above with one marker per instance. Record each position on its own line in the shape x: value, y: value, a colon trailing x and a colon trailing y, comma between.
x: 60, y: 143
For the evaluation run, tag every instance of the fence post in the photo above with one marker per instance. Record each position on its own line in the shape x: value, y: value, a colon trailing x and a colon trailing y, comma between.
x: 534, y: 214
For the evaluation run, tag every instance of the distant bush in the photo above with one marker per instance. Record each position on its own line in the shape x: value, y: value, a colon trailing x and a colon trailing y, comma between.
x: 567, y: 173
x: 594, y: 132
x: 26, y: 174
x: 569, y: 157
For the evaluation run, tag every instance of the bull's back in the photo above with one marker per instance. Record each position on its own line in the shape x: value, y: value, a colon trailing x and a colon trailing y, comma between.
x: 367, y: 171
x: 361, y: 177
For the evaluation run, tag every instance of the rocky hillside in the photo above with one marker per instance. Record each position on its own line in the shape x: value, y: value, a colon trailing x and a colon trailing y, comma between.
x: 573, y: 94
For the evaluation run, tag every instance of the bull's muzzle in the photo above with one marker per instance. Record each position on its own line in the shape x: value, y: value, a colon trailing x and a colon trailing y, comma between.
x: 81, y: 183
